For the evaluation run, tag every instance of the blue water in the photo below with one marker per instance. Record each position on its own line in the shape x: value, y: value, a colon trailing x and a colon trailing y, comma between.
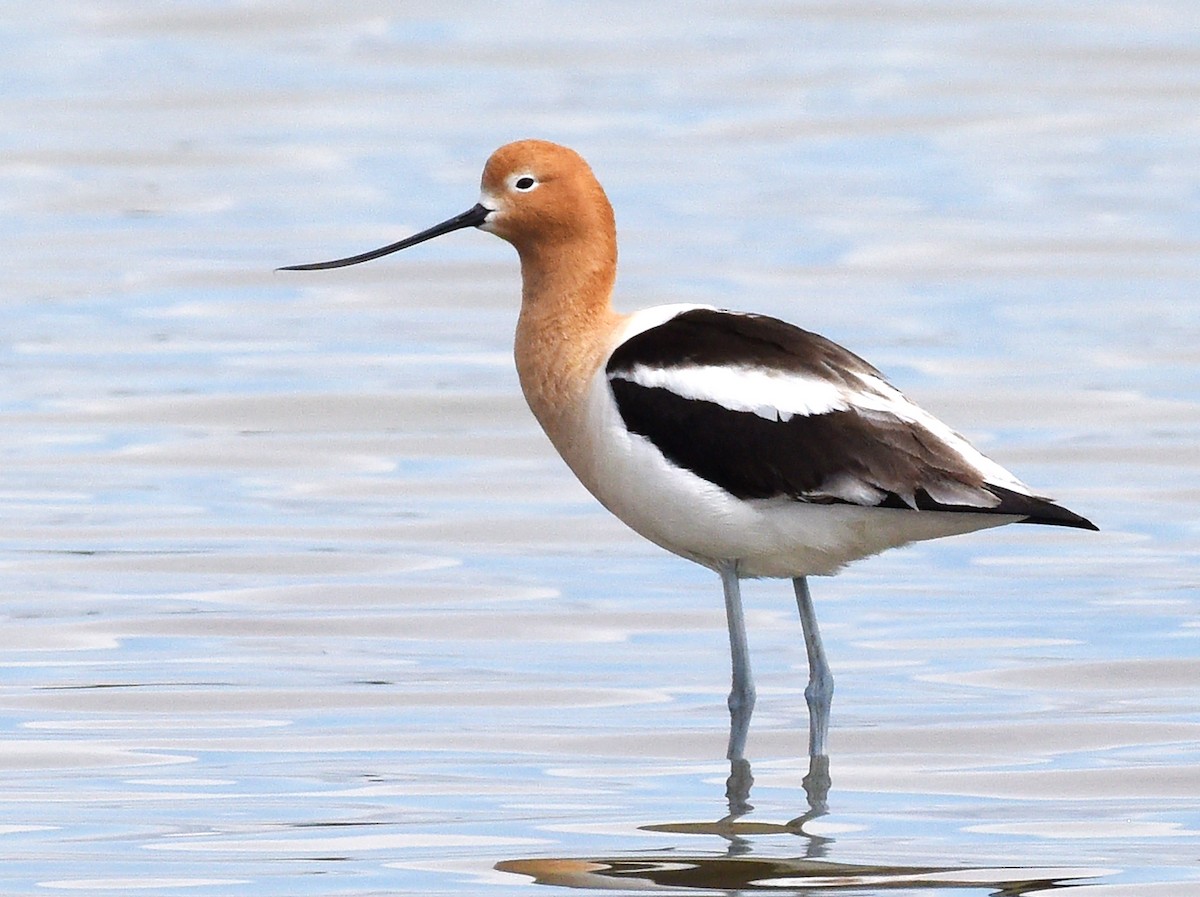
x: 297, y: 600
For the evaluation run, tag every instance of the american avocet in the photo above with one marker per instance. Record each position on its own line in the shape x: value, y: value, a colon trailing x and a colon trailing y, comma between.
x: 735, y: 440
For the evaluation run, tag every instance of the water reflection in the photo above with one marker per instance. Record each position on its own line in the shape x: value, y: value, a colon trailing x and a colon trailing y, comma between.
x: 738, y: 832
x: 704, y: 873
x: 737, y: 869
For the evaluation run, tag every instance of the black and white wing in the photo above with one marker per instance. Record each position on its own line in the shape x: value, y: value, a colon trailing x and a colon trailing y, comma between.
x: 764, y: 410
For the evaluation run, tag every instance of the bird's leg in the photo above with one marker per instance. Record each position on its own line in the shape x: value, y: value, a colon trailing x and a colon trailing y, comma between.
x: 741, y: 695
x: 819, y: 693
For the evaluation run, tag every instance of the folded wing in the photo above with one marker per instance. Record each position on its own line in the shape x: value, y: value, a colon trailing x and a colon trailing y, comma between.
x: 764, y: 410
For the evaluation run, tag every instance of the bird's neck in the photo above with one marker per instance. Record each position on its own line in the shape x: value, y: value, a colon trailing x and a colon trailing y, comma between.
x: 565, y: 328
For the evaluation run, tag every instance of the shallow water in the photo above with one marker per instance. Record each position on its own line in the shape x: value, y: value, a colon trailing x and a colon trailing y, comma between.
x: 296, y: 598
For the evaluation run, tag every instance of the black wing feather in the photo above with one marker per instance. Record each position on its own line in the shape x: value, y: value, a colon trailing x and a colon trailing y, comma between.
x: 750, y: 456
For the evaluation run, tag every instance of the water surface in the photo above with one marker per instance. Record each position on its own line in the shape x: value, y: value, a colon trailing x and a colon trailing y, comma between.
x: 297, y: 599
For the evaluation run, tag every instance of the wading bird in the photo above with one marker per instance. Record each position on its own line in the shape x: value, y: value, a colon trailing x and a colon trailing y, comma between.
x: 734, y: 440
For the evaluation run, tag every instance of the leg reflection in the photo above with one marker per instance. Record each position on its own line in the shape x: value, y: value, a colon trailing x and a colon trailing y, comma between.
x: 737, y: 788
x: 740, y: 832
x: 737, y: 793
x: 816, y: 789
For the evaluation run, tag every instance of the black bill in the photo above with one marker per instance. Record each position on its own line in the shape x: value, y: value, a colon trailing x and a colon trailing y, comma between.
x: 473, y: 217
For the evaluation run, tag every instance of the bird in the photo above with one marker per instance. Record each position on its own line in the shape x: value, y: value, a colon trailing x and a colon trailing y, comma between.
x: 736, y: 440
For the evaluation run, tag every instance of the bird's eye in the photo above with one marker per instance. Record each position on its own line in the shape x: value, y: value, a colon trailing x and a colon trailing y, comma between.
x: 524, y: 184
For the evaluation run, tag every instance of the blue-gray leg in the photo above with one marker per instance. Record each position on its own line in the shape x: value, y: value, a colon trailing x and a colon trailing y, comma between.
x: 741, y: 695
x: 819, y: 693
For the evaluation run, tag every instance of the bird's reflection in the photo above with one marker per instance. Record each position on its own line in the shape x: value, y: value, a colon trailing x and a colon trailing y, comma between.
x: 816, y: 784
x: 705, y: 873
x: 739, y: 832
x: 739, y: 869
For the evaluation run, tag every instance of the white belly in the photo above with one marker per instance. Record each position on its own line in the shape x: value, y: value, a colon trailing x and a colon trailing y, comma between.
x: 695, y: 519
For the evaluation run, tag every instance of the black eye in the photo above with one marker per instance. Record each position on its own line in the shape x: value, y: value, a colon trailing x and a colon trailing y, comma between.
x: 525, y: 183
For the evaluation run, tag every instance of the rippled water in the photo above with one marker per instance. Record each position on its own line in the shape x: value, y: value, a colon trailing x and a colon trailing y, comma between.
x: 296, y: 598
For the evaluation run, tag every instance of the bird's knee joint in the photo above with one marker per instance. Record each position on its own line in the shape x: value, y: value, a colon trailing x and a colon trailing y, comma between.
x: 741, y: 700
x: 819, y: 690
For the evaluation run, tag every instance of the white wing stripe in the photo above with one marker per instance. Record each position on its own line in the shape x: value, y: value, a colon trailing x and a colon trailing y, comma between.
x: 774, y: 395
x: 780, y: 395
